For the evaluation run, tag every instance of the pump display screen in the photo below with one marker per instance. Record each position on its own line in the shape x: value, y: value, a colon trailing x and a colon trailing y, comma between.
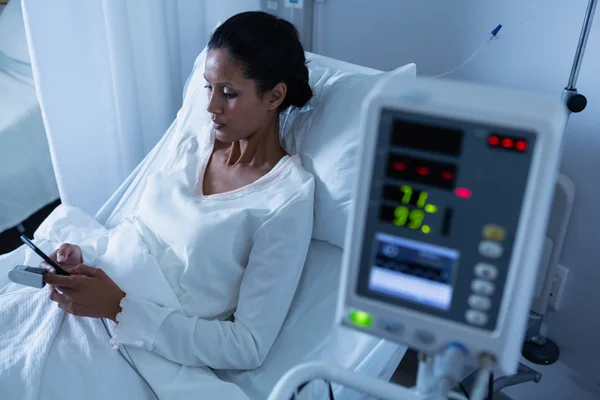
x: 407, y: 207
x: 427, y: 137
x: 414, y: 271
x: 419, y: 170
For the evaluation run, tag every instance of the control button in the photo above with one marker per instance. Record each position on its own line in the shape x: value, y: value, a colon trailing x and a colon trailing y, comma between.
x: 490, y: 249
x: 425, y: 337
x: 494, y: 232
x: 390, y: 251
x: 392, y: 328
x: 486, y: 271
x: 476, y: 317
x: 483, y: 288
x: 480, y: 303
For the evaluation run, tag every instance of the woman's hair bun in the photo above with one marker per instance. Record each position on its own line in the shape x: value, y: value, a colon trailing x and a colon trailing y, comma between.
x: 269, y: 51
x: 299, y: 90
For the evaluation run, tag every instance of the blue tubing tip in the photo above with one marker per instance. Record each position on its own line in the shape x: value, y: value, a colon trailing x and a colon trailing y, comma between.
x: 496, y: 30
x: 459, y: 346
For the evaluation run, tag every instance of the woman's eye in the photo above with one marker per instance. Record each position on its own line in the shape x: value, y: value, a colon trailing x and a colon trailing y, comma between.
x: 230, y: 95
x: 207, y: 87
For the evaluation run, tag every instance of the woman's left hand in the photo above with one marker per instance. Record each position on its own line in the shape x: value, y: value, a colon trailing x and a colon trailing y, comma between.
x: 87, y: 292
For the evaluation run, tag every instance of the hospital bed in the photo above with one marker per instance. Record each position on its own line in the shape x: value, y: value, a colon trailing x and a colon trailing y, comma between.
x: 27, y: 181
x: 309, y: 332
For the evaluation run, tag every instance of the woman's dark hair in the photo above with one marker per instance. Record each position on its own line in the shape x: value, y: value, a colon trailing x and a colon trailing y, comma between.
x: 269, y: 51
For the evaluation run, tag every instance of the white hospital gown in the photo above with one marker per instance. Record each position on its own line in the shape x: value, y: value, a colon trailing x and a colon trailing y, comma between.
x: 209, y: 282
x: 232, y: 259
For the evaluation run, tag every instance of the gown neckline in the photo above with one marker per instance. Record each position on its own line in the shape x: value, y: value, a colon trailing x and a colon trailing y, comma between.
x: 201, y: 172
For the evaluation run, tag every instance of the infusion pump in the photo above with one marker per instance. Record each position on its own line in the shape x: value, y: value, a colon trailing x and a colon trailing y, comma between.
x: 451, y: 202
x: 450, y: 210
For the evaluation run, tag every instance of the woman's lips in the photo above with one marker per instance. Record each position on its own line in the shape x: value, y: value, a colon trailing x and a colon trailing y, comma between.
x: 218, y: 126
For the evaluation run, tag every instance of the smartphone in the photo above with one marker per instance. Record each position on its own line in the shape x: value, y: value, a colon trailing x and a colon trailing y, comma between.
x: 40, y: 253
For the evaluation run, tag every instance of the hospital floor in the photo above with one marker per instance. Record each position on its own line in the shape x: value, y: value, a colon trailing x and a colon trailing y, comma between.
x: 9, y: 239
x: 406, y: 373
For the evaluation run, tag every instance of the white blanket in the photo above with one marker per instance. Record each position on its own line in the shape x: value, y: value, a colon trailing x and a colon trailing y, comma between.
x: 47, y: 354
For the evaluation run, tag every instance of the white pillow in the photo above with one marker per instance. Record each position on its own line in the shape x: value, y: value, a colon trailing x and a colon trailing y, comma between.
x: 13, y: 41
x: 326, y: 135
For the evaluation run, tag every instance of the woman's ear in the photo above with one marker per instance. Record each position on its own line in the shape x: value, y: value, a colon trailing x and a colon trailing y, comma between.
x: 277, y: 95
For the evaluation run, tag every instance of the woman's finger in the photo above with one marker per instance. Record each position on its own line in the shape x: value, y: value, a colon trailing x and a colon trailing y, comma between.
x: 62, y: 281
x: 60, y: 298
x: 85, y: 270
x: 63, y: 253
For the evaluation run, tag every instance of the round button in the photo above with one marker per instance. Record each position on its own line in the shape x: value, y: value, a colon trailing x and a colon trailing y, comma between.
x: 390, y: 251
x: 490, y: 249
x: 476, y: 317
x: 494, y: 232
x: 486, y: 271
x: 483, y: 288
x: 392, y: 328
x: 425, y: 337
x: 480, y: 303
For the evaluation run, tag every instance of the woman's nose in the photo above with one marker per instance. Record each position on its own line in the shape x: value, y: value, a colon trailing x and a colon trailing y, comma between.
x: 214, y: 106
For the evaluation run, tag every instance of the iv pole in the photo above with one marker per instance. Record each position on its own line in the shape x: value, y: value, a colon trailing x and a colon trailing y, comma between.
x: 574, y: 101
x: 538, y: 348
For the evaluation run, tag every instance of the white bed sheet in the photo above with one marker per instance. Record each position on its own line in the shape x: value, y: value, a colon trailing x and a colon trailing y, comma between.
x: 27, y: 181
x: 309, y: 334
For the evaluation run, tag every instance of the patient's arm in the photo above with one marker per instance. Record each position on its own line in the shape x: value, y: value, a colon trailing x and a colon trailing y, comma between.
x: 267, y: 289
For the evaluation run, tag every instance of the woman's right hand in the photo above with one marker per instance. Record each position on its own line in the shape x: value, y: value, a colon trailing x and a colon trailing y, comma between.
x: 67, y: 255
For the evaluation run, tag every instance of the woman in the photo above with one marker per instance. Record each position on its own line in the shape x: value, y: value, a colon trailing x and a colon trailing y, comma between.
x: 226, y: 226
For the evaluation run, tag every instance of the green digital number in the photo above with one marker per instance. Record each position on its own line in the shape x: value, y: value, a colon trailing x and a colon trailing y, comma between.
x: 422, y: 199
x: 415, y: 219
x: 408, y: 192
x: 401, y: 215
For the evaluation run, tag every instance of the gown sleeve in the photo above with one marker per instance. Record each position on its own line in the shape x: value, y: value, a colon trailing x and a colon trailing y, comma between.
x: 268, y: 286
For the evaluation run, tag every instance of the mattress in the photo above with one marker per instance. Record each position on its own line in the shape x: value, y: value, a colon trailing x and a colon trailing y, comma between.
x: 27, y: 181
x: 309, y: 334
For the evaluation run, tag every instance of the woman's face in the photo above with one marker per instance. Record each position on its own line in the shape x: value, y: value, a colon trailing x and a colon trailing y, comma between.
x: 237, y: 110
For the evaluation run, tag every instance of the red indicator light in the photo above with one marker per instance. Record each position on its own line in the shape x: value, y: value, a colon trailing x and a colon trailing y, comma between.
x: 423, y: 171
x: 494, y: 140
x: 447, y: 175
x: 508, y: 143
x: 463, y: 192
x: 521, y: 145
x: 399, y: 166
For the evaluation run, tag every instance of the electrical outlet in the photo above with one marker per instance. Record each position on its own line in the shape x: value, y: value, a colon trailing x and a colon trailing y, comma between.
x: 558, y: 287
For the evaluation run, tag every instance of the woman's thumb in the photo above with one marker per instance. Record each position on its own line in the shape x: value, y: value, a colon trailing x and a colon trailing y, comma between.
x: 63, y: 253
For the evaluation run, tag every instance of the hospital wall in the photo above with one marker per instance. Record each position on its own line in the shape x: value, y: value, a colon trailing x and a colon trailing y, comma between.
x: 439, y: 35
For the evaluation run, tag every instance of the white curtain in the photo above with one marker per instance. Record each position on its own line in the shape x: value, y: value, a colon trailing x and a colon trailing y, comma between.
x: 109, y: 76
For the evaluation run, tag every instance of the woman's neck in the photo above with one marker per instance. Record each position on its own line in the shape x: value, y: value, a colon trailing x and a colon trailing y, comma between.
x: 260, y: 149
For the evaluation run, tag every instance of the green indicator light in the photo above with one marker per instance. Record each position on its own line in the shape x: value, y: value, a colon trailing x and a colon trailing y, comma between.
x: 430, y: 208
x: 426, y: 229
x: 361, y: 319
